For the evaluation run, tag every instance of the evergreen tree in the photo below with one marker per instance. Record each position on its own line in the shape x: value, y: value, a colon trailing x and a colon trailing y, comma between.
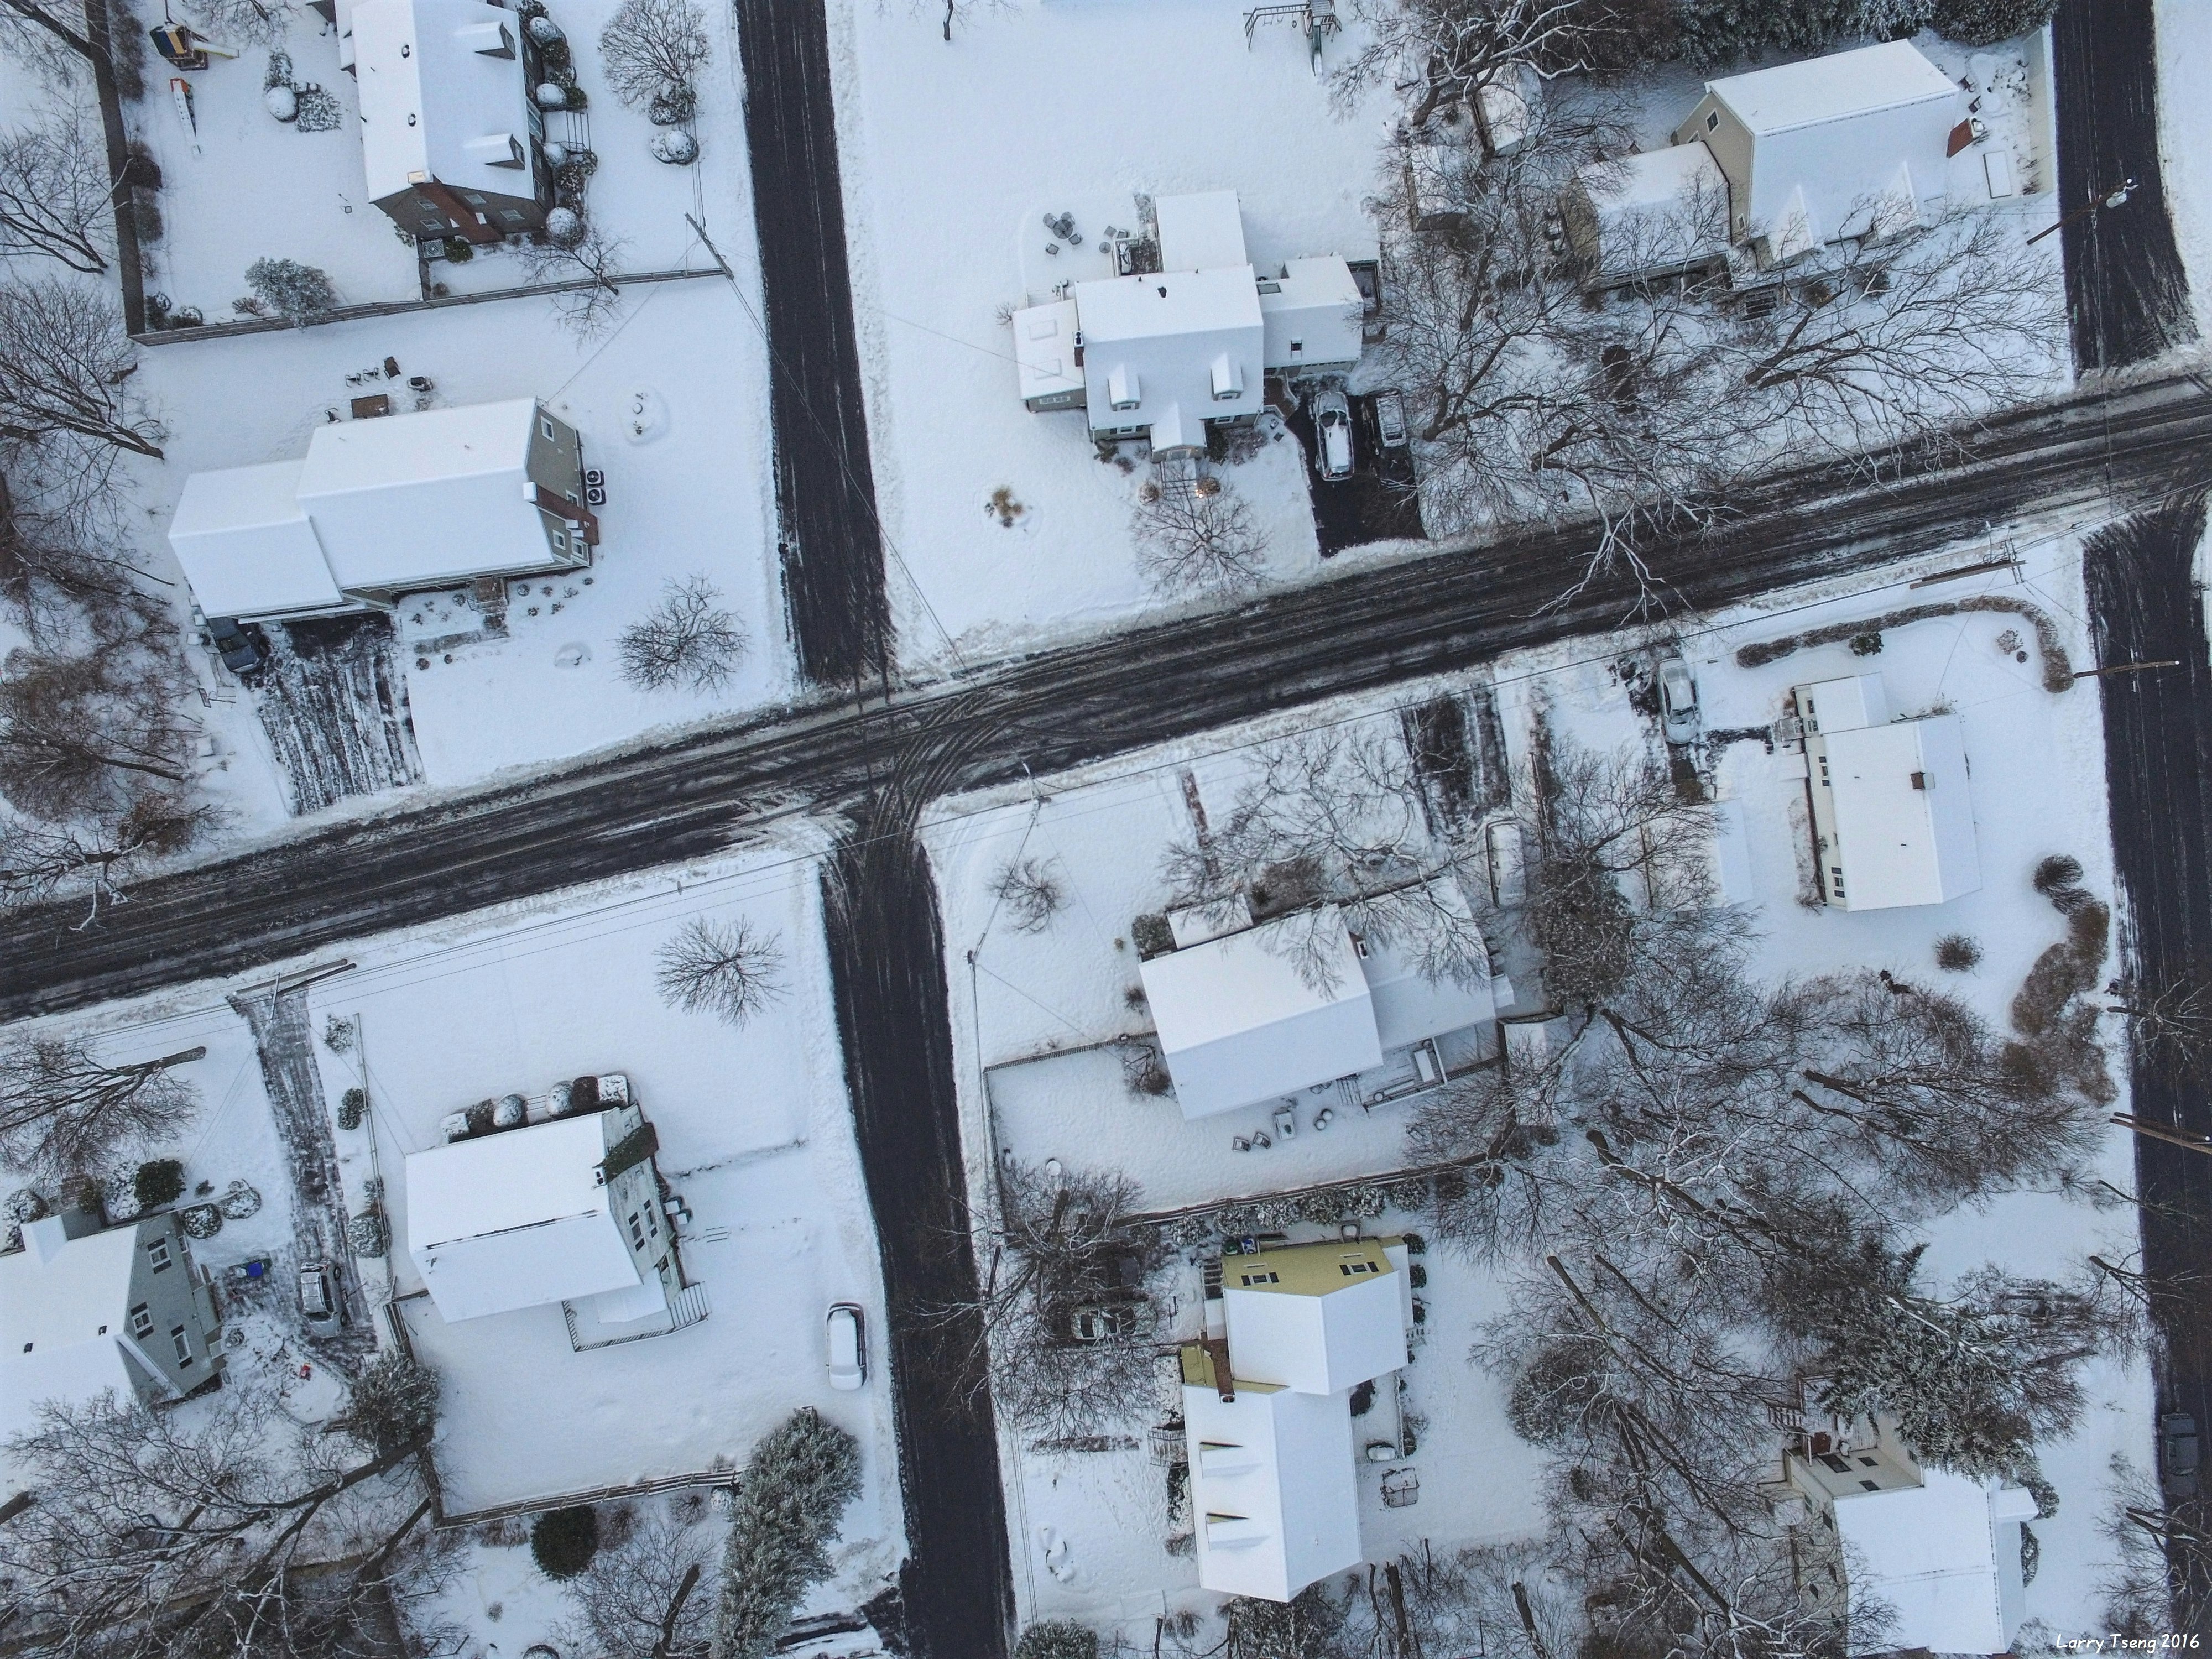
x: 791, y: 1501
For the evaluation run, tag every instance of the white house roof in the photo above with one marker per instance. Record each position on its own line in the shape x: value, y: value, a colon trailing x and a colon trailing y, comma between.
x: 1044, y: 348
x: 1167, y: 303
x: 245, y: 543
x: 1238, y: 1024
x: 1274, y: 1488
x: 1409, y: 1007
x: 1316, y: 1318
x: 422, y: 497
x: 1659, y: 208
x: 442, y: 95
x: 1844, y: 705
x: 1945, y: 1557
x: 62, y: 1303
x: 516, y: 1219
x: 1835, y: 88
x: 1316, y: 306
x: 1200, y: 231
x: 1904, y: 813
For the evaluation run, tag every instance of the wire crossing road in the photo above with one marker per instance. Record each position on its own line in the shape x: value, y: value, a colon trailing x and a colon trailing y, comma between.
x: 2087, y: 458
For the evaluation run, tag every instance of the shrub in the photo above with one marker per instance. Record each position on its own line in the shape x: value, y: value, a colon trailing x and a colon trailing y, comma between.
x: 1058, y: 1638
x: 1152, y: 936
x: 1985, y: 22
x: 2060, y: 870
x: 300, y: 294
x: 201, y: 1221
x: 796, y: 1485
x: 158, y: 1182
x: 1957, y: 952
x: 368, y: 1235
x: 351, y: 1105
x: 1866, y: 645
x: 395, y: 1402
x: 564, y: 1541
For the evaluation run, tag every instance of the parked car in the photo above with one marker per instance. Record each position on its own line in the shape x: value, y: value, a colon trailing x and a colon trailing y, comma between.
x: 1678, y: 700
x: 2176, y: 1453
x: 244, y: 648
x: 318, y: 1294
x: 1390, y: 419
x: 1102, y: 1323
x: 848, y: 1346
x: 1332, y: 423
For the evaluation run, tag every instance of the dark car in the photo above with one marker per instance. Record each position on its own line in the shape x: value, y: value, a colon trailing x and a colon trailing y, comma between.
x: 2177, y: 1453
x: 243, y: 646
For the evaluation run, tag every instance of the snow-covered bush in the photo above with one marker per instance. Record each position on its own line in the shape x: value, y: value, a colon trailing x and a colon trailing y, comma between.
x: 160, y: 1181
x: 395, y: 1402
x: 282, y: 102
x: 239, y: 1201
x: 676, y: 146
x: 797, y: 1484
x: 352, y: 1105
x: 544, y: 31
x: 338, y: 1034
x: 300, y: 294
x: 551, y: 94
x: 367, y: 1235
x: 24, y: 1204
x: 1985, y: 22
x: 319, y: 111
x: 564, y: 227
x: 510, y: 1112
x: 1058, y: 1638
x: 201, y: 1220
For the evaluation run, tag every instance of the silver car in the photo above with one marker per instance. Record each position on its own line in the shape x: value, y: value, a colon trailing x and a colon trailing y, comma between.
x: 1678, y: 701
x: 1390, y: 419
x: 1333, y: 426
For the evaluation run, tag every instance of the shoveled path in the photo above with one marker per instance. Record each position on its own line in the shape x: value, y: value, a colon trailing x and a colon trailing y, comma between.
x: 1375, y: 626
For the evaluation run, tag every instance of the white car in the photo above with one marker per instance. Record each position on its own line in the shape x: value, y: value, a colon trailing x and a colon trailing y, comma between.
x: 1332, y: 423
x: 1678, y: 701
x: 848, y: 1346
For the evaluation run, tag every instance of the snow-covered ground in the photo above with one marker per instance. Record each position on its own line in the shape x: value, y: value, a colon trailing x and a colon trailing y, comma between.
x: 2037, y: 766
x: 2184, y: 149
x: 950, y: 153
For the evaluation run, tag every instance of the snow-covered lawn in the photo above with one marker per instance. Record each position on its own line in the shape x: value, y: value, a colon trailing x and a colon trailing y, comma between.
x: 2184, y: 156
x: 2038, y: 782
x: 755, y: 1134
x: 950, y: 153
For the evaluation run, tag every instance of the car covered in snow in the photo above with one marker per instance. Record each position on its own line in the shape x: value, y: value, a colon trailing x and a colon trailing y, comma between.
x: 1390, y: 419
x: 318, y: 1294
x: 848, y: 1346
x: 1333, y: 428
x: 1678, y: 701
x: 243, y: 647
x: 2176, y: 1453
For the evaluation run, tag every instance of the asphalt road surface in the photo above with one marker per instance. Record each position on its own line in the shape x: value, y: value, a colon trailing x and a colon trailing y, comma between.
x: 2126, y: 290
x: 1374, y: 627
x: 887, y: 960
x: 2145, y: 607
x: 831, y: 548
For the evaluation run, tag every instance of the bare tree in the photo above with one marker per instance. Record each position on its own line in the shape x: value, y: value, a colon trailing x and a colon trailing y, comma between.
x: 2159, y: 1583
x: 62, y: 563
x: 64, y: 363
x: 590, y: 269
x: 724, y: 968
x: 653, y: 50
x: 686, y: 639
x: 1031, y: 893
x: 63, y: 1108
x: 1462, y: 51
x: 642, y: 1597
x: 1198, y: 543
x: 242, y: 22
x: 1067, y: 1323
x: 1338, y: 817
x: 87, y: 735
x: 55, y: 195
x: 93, y: 863
x: 164, y: 1535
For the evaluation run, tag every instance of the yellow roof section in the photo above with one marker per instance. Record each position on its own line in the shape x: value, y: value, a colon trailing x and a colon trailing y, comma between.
x: 1307, y: 1269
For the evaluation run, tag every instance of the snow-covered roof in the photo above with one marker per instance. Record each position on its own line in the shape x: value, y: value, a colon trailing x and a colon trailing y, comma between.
x: 1843, y: 705
x: 1834, y: 88
x: 1944, y: 1556
x: 245, y: 543
x: 1315, y: 1318
x: 443, y: 96
x: 420, y: 497
x: 384, y: 504
x: 1044, y: 348
x: 1312, y: 313
x: 1273, y: 1485
x: 1833, y: 146
x: 1659, y: 210
x: 517, y: 1218
x: 1166, y: 304
x: 1237, y: 1024
x: 1409, y: 1007
x: 1202, y: 231
x: 1898, y: 812
x: 63, y: 1307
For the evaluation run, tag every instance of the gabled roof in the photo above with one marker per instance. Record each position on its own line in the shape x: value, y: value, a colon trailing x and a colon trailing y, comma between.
x: 517, y: 1218
x: 1238, y: 1024
x: 1274, y: 1488
x: 441, y: 90
x: 1944, y: 1556
x: 1834, y: 88
x: 1167, y: 303
x: 1904, y: 813
x: 245, y: 543
x: 62, y: 1314
x: 1315, y: 1318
